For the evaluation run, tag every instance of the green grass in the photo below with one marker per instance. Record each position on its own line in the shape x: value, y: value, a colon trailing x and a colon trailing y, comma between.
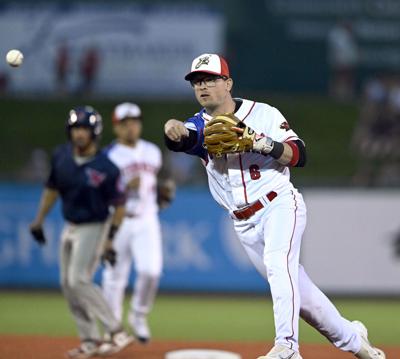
x: 195, y: 317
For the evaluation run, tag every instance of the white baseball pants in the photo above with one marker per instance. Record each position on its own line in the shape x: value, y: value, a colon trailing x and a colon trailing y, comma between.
x: 272, y: 239
x: 139, y: 241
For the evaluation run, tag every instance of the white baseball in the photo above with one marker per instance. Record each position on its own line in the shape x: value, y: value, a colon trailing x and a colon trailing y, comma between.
x: 14, y: 58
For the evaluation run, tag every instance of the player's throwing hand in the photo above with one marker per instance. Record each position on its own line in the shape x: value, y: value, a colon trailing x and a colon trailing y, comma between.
x: 175, y: 130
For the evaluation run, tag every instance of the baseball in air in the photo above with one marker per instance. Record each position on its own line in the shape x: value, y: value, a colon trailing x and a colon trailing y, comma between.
x: 14, y: 58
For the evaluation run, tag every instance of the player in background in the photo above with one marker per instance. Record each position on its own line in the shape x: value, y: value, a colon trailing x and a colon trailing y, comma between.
x: 87, y: 183
x: 269, y: 214
x: 139, y: 238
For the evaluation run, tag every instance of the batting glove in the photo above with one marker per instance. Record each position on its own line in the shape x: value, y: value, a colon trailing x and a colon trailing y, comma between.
x: 38, y: 235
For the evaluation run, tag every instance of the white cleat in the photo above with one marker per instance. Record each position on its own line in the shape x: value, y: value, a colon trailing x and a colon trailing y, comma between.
x: 140, y: 327
x: 367, y: 351
x: 85, y: 350
x: 118, y: 341
x: 281, y: 352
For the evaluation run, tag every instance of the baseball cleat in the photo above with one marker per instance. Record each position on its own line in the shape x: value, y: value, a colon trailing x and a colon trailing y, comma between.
x: 367, y: 351
x: 87, y: 349
x: 118, y: 341
x: 281, y: 352
x: 140, y: 327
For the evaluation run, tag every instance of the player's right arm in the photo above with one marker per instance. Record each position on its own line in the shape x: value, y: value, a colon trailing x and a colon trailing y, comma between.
x: 47, y: 201
x: 178, y: 137
x: 175, y: 130
x: 185, y: 136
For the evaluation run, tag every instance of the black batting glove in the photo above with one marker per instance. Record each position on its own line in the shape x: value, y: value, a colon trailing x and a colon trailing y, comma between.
x: 110, y: 256
x: 38, y: 235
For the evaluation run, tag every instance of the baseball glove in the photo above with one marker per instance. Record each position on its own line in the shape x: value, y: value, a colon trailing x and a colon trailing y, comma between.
x: 227, y: 134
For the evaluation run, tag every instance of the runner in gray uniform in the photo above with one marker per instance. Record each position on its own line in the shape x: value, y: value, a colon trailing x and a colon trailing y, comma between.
x: 87, y: 183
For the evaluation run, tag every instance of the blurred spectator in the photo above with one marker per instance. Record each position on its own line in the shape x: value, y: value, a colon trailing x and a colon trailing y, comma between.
x: 88, y: 69
x: 37, y: 167
x: 62, y: 67
x: 377, y: 133
x: 3, y: 83
x: 343, y: 60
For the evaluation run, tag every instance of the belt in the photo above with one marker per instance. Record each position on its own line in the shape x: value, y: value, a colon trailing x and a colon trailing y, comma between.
x: 247, y: 212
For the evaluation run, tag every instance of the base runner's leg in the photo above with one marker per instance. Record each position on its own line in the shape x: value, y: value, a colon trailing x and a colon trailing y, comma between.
x: 86, y: 249
x: 86, y: 324
x: 115, y: 278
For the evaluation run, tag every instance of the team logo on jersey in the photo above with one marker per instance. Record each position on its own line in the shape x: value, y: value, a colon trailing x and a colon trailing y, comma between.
x: 203, y: 61
x: 95, y: 178
x: 284, y: 126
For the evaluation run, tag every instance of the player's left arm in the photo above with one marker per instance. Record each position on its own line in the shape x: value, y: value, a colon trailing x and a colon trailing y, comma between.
x: 117, y: 198
x: 166, y: 186
x: 166, y: 189
x: 290, y: 153
x: 283, y: 144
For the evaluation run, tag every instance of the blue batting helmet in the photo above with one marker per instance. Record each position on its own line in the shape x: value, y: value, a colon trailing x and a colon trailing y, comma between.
x: 85, y: 116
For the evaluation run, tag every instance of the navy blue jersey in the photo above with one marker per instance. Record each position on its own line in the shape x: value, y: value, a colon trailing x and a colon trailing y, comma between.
x: 87, y: 190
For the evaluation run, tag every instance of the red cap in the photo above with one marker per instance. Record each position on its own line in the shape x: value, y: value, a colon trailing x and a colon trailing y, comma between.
x: 210, y: 64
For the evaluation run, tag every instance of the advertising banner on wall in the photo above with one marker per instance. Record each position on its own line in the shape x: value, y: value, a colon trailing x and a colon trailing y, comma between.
x: 109, y: 48
x: 201, y: 251
x: 352, y: 241
x: 351, y: 245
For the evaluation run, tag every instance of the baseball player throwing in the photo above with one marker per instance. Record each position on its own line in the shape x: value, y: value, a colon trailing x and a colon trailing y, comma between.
x: 139, y: 238
x: 247, y: 148
x: 87, y: 182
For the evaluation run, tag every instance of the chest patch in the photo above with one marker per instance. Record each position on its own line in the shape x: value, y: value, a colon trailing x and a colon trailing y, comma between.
x: 95, y: 178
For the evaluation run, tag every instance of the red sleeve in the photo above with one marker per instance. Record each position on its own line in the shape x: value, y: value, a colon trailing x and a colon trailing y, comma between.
x: 295, y: 156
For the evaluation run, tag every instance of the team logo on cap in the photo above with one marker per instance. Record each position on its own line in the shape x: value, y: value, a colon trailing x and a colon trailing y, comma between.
x: 284, y: 126
x: 203, y: 61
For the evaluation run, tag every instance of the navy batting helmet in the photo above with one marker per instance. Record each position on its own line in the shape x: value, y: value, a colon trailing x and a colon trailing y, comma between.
x: 85, y: 116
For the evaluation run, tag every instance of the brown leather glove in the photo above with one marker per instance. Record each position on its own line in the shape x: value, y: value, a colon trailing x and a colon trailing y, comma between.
x: 227, y: 134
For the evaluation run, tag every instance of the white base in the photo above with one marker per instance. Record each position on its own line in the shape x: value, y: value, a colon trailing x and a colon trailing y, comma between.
x: 201, y: 354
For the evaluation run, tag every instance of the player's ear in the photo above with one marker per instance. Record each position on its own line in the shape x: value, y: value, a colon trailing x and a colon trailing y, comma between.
x: 229, y: 84
x: 115, y: 129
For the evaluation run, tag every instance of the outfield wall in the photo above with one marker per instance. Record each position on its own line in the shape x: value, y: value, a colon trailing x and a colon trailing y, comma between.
x: 201, y: 252
x: 348, y: 248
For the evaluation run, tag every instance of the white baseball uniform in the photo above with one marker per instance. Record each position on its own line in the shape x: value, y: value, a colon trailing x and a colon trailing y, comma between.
x: 139, y: 237
x: 272, y: 234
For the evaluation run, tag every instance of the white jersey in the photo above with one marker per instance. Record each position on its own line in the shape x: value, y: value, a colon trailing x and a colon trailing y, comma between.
x: 144, y: 161
x: 237, y: 180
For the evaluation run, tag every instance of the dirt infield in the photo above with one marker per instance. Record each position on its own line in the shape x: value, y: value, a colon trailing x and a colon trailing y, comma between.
x: 41, y: 347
